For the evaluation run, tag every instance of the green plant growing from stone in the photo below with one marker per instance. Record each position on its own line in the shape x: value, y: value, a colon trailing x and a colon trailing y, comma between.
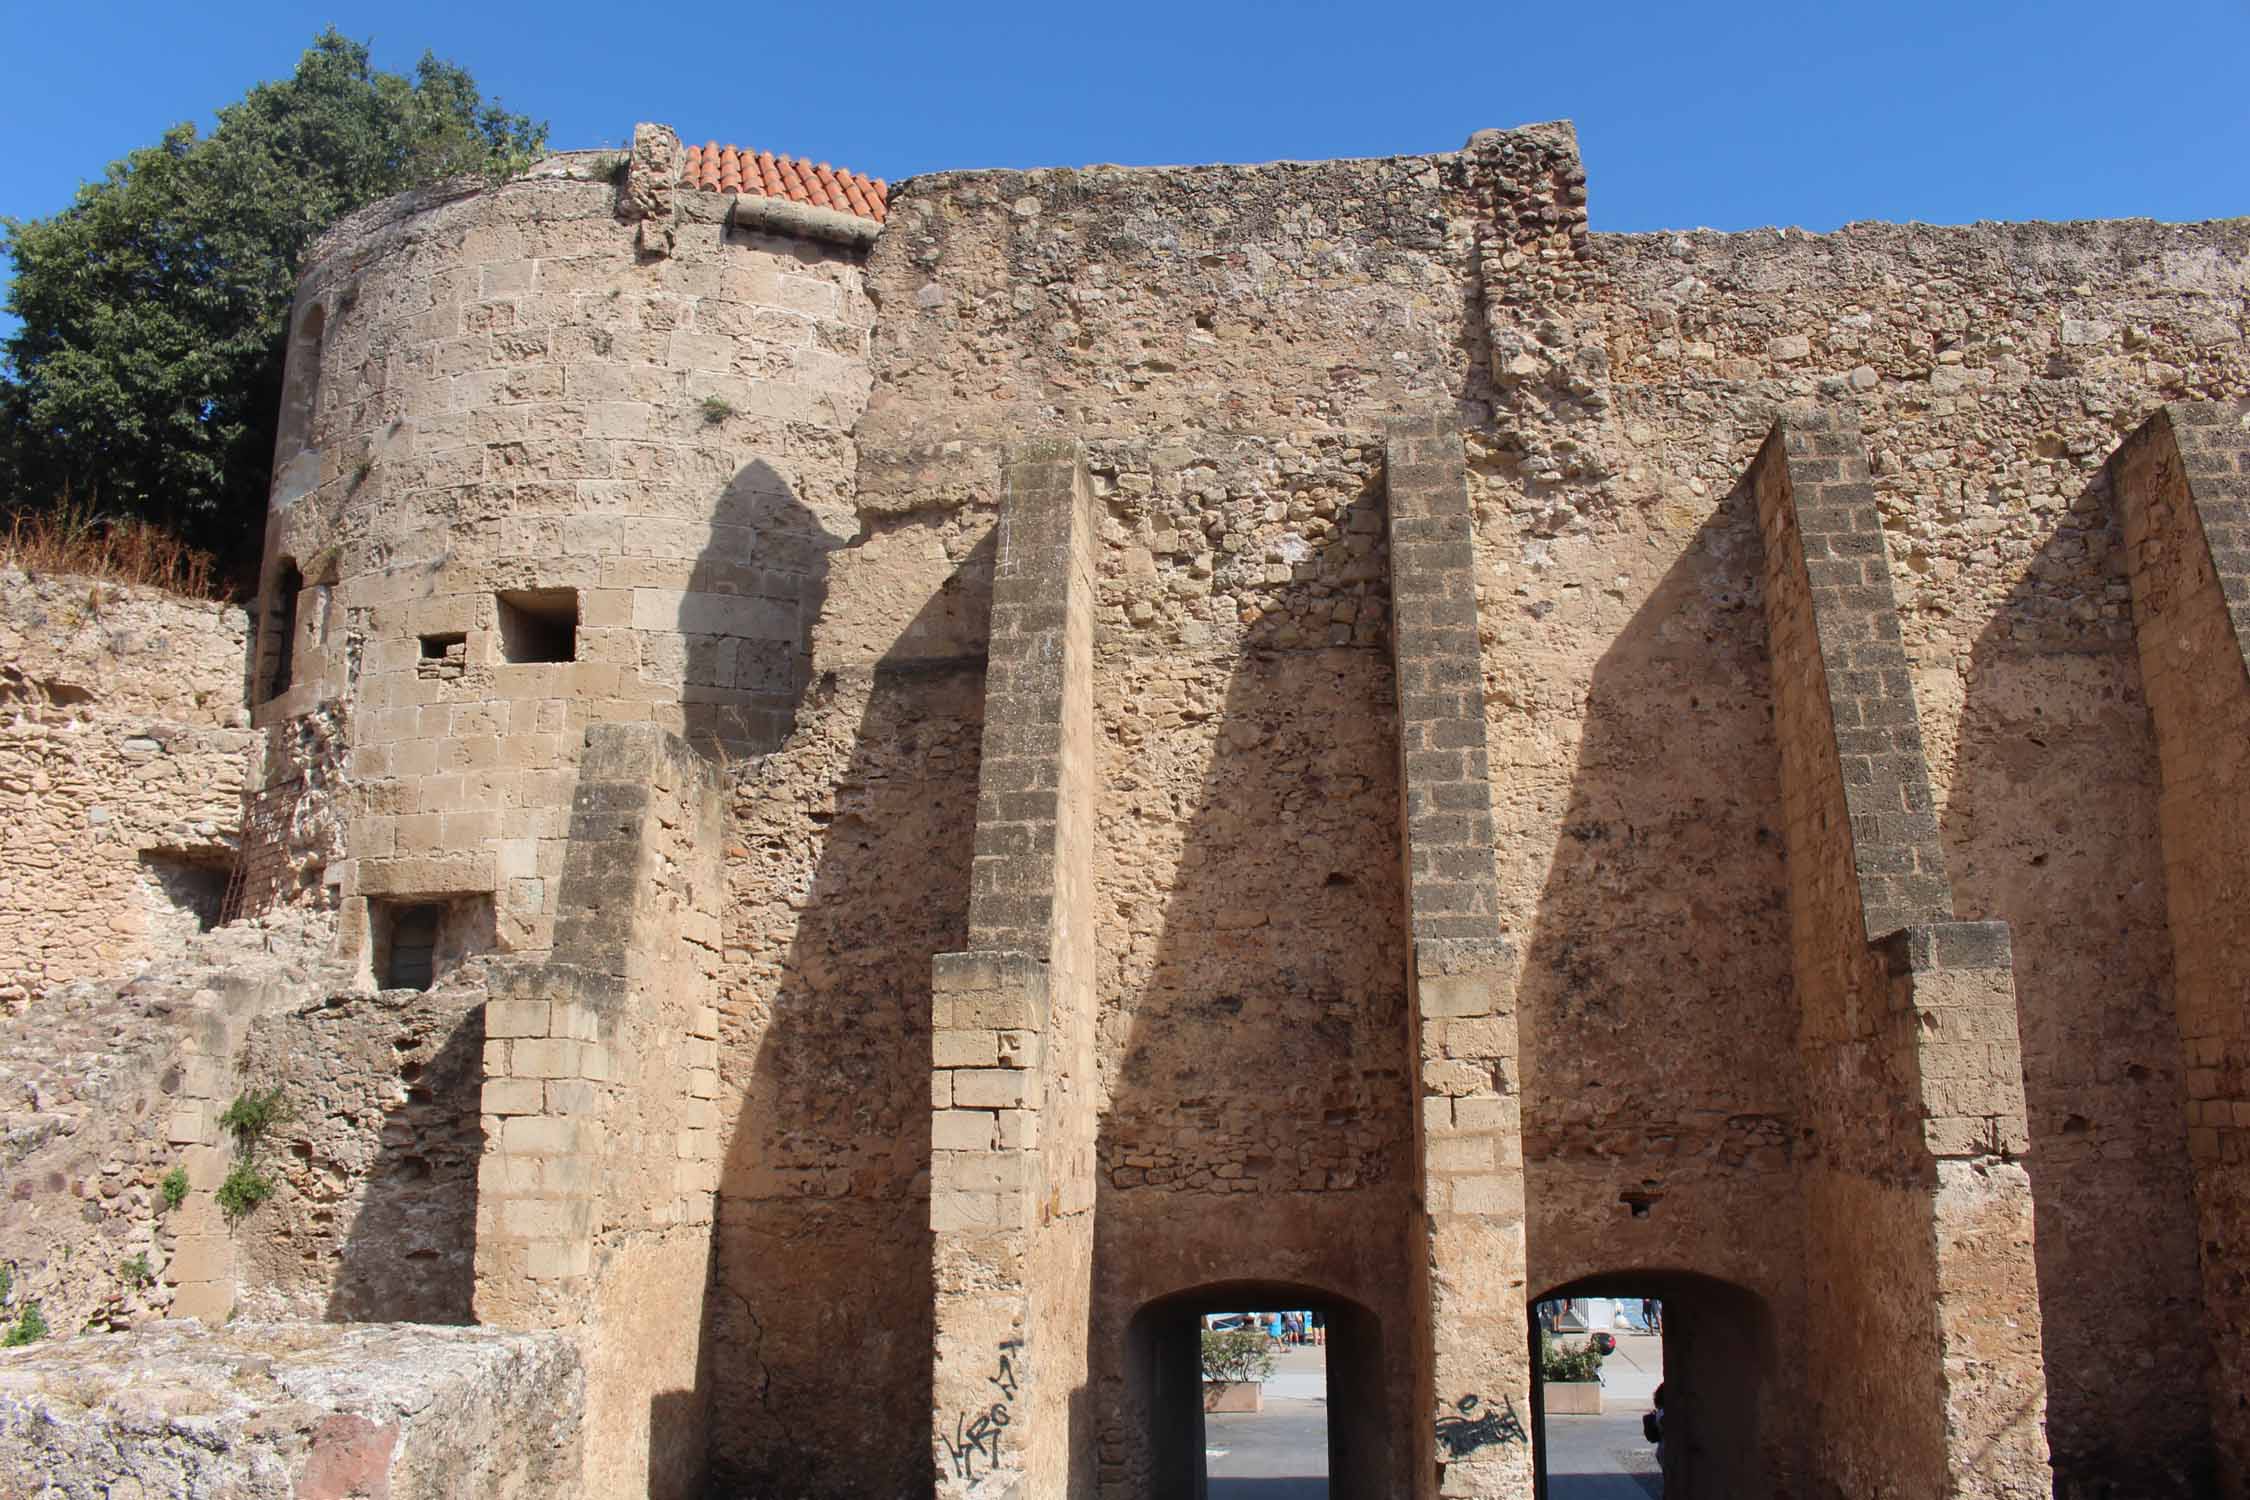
x: 174, y: 1186
x: 717, y: 409
x: 134, y: 1271
x: 251, y: 1115
x: 244, y: 1189
x: 27, y: 1329
x: 248, y: 1118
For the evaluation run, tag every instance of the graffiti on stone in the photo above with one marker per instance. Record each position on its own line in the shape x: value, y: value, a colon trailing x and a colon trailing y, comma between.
x: 976, y: 1434
x: 1465, y: 1429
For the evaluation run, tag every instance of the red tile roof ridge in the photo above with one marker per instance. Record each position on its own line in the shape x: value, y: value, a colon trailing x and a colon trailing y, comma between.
x: 713, y: 168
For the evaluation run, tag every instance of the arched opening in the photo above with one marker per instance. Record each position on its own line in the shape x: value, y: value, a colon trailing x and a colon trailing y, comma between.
x: 1713, y: 1354
x: 1164, y: 1383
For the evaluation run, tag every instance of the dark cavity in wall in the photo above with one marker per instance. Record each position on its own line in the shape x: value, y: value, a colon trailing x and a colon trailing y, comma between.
x: 539, y: 625
x: 190, y: 885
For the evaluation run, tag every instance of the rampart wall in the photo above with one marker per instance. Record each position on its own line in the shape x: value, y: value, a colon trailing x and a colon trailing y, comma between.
x: 123, y: 748
x: 1464, y: 810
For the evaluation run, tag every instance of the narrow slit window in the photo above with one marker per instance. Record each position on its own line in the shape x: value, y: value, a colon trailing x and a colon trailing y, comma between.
x: 281, y: 628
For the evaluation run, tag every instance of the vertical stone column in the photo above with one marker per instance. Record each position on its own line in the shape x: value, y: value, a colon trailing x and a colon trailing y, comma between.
x: 2184, y: 482
x: 1461, y: 986
x: 594, y: 1195
x: 200, y: 1265
x: 1924, y: 1353
x: 1012, y: 1064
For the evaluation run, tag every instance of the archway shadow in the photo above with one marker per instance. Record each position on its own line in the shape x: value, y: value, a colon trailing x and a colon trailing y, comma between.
x: 1657, y: 1006
x: 1722, y: 1361
x: 1257, y: 1120
x: 2050, y: 823
x: 1163, y: 1374
x: 855, y: 838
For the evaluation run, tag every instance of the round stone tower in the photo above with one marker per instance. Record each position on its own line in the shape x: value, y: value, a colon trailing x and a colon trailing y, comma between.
x: 566, y: 450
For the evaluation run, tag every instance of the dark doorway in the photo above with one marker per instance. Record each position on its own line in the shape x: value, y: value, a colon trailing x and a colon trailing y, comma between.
x: 1320, y: 1431
x: 1698, y: 1350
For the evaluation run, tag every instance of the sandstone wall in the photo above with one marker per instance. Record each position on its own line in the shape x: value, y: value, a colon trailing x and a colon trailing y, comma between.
x: 374, y: 1160
x: 106, y: 1088
x: 600, y: 1113
x: 2183, y: 485
x: 122, y: 752
x: 503, y: 404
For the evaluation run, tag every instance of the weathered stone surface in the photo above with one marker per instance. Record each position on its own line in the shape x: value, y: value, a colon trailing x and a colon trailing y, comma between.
x: 1332, y: 902
x: 123, y: 750
x: 293, y: 1412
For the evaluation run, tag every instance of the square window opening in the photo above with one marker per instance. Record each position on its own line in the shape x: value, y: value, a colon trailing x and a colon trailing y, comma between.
x: 438, y: 647
x: 539, y: 625
x: 416, y: 941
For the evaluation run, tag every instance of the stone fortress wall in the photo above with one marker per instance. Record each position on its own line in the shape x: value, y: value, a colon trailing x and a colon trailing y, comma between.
x: 1314, y: 731
x: 123, y: 749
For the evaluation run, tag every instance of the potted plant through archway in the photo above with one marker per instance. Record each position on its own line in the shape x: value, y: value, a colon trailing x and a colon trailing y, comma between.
x: 1236, y: 1364
x: 1572, y: 1375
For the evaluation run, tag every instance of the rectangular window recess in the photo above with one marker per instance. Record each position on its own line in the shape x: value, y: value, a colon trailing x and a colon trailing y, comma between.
x: 411, y: 963
x: 538, y: 625
x: 439, y: 647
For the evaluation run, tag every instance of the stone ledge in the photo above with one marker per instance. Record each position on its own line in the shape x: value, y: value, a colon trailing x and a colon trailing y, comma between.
x: 316, y: 1411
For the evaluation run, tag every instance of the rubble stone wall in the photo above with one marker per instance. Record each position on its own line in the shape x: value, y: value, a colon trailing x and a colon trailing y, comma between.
x: 2186, y: 491
x: 122, y: 754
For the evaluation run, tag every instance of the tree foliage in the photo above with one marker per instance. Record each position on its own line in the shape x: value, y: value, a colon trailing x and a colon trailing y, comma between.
x: 146, y: 378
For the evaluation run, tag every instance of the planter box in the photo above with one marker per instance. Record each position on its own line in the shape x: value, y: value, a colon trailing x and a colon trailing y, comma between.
x: 1574, y: 1398
x: 1233, y: 1395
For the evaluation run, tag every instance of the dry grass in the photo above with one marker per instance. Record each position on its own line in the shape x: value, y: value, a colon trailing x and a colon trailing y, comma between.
x: 73, y: 540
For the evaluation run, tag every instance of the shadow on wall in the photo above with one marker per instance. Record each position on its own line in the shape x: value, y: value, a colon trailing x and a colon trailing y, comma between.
x: 820, y: 1308
x: 411, y: 1254
x: 1658, y: 1022
x: 2053, y: 711
x: 1251, y: 978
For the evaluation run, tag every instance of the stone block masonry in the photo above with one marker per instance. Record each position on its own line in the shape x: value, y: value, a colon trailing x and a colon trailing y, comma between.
x: 1406, y: 853
x: 1461, y: 979
x: 600, y: 1114
x: 2183, y: 480
x: 1929, y: 1380
x: 1012, y: 1028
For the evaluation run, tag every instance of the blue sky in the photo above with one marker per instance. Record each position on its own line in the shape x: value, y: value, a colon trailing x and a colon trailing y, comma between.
x: 1731, y: 117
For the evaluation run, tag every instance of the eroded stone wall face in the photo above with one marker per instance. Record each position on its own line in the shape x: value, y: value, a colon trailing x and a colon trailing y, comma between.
x: 2184, y: 486
x: 122, y: 753
x: 1226, y: 346
x: 375, y: 1160
x: 1994, y: 371
x: 847, y: 868
x: 520, y: 423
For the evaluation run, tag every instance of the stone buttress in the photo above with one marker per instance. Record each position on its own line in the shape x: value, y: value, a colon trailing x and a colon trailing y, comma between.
x: 2184, y: 485
x: 1460, y: 985
x: 1012, y: 1127
x: 1921, y: 1291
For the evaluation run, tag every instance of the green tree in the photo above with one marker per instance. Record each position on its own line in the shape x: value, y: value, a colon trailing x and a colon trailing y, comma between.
x: 146, y: 378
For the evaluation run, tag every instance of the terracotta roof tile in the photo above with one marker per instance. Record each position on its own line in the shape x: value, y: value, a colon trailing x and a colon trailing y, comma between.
x: 713, y: 168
